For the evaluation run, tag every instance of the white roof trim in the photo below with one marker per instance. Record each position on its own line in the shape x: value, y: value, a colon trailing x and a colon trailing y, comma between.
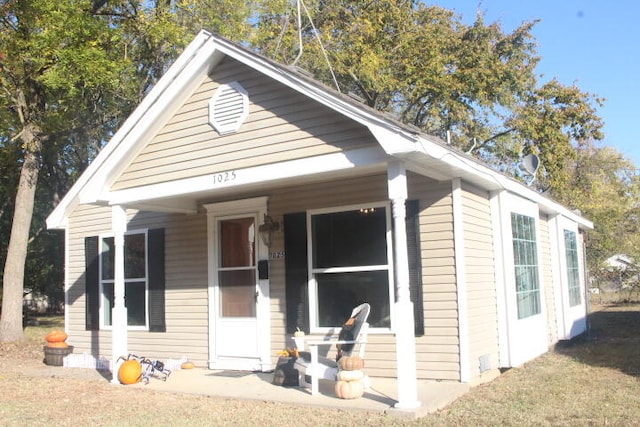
x: 110, y: 155
x: 222, y: 181
x: 200, y: 56
x: 475, y: 172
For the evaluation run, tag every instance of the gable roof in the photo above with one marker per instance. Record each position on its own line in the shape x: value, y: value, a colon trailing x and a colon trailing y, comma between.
x: 422, y: 153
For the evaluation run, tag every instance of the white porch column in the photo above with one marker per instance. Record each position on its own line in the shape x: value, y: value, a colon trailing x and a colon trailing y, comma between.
x: 404, y: 321
x: 119, y: 312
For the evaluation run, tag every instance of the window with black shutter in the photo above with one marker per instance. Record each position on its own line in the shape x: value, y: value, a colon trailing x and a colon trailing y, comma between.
x: 144, y: 280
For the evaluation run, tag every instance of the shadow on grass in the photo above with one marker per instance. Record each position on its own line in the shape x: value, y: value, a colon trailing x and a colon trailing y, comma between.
x: 612, y: 341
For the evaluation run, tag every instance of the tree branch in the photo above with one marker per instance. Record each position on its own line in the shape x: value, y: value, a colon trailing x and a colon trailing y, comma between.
x: 497, y: 135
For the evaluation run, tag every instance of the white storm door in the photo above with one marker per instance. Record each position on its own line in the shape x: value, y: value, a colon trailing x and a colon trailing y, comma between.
x: 236, y: 290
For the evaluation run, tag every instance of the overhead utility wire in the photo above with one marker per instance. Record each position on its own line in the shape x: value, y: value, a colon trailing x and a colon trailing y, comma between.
x: 317, y: 34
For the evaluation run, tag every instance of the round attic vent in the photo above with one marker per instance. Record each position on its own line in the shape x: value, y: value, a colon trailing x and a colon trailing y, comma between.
x: 228, y: 108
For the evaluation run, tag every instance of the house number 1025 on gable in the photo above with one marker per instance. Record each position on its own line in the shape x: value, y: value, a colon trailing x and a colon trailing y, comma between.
x: 222, y: 177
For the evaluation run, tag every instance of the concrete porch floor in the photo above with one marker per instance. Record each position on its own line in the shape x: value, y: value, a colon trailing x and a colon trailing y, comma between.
x: 241, y: 385
x: 381, y: 397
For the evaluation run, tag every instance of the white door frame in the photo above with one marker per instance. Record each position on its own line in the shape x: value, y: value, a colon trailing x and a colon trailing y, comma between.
x: 258, y: 207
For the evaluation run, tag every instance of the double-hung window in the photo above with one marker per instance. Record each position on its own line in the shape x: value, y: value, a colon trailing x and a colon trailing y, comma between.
x: 525, y: 260
x: 135, y: 279
x: 350, y: 263
x: 573, y: 269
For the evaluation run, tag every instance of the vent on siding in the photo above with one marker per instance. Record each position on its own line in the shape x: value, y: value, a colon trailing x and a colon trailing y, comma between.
x: 485, y: 363
x: 228, y: 108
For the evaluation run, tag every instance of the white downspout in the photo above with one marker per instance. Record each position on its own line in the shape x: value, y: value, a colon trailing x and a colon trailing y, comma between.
x: 119, y: 312
x: 404, y: 321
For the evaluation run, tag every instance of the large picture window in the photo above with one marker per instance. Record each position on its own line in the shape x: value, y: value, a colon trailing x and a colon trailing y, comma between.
x: 525, y: 259
x: 135, y: 279
x: 350, y: 265
x: 573, y: 269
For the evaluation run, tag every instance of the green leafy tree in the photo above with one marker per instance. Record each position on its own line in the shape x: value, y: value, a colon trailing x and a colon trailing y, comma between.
x: 70, y: 72
x: 54, y: 64
x: 605, y: 187
x: 473, y: 85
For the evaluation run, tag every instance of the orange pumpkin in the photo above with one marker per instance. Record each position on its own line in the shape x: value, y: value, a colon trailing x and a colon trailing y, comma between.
x: 60, y: 344
x: 349, y: 389
x: 188, y: 365
x: 351, y: 363
x: 130, y: 372
x: 56, y: 336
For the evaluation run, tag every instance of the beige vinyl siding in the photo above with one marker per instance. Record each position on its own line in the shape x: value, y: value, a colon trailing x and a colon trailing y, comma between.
x: 380, y: 350
x: 437, y: 352
x: 186, y: 276
x: 84, y: 222
x: 281, y: 125
x: 482, y: 315
x: 548, y: 285
x: 186, y: 286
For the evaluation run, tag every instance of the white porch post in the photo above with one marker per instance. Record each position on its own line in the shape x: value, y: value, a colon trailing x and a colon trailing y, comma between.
x: 404, y: 321
x: 119, y: 312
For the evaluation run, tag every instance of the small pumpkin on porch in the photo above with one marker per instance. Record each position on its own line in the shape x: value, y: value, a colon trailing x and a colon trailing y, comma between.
x: 130, y: 372
x: 187, y: 365
x: 349, y: 389
x: 56, y: 336
x: 350, y: 363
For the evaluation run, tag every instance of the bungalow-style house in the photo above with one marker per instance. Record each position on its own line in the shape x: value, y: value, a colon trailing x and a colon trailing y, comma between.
x: 243, y: 199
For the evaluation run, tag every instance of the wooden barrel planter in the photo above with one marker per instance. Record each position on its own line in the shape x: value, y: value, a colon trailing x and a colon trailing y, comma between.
x: 54, y: 356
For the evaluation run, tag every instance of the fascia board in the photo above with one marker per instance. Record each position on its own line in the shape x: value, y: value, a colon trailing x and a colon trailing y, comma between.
x: 94, y: 175
x: 176, y: 89
x: 206, y: 184
x: 468, y: 168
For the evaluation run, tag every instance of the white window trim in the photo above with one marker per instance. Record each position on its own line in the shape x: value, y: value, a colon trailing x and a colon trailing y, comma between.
x: 566, y: 266
x: 518, y: 205
x: 564, y: 312
x: 102, y: 309
x: 313, y: 285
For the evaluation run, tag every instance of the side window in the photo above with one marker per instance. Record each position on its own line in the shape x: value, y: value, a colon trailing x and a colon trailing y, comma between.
x: 350, y: 264
x: 135, y: 278
x: 525, y: 260
x: 573, y: 269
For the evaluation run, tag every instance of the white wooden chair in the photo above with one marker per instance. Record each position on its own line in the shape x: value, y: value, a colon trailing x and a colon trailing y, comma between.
x: 353, y: 332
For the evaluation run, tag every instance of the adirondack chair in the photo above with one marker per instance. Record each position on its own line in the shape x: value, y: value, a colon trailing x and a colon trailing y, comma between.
x: 353, y: 332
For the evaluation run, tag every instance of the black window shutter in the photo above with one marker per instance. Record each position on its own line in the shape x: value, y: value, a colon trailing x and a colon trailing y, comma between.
x: 92, y: 284
x: 295, y: 261
x: 156, y: 281
x: 415, y: 265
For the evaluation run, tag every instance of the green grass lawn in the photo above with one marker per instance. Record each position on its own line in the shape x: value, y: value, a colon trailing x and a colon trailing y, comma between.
x: 591, y: 381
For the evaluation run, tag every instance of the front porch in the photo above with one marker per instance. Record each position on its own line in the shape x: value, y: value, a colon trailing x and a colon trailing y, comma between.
x: 380, y: 398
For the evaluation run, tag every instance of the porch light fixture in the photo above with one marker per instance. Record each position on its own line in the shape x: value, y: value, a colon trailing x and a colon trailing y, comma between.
x: 266, y: 230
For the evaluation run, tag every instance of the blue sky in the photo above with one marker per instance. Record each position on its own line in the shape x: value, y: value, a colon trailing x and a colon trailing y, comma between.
x: 592, y: 43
